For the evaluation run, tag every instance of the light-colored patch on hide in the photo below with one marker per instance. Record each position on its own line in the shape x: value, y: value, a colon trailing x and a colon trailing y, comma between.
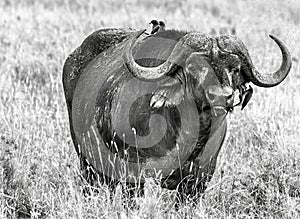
x: 203, y: 74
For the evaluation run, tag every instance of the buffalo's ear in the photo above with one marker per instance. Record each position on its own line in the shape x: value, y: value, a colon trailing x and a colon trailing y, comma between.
x: 169, y: 93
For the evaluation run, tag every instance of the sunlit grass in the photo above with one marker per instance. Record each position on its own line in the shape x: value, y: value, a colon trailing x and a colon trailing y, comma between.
x: 257, y: 173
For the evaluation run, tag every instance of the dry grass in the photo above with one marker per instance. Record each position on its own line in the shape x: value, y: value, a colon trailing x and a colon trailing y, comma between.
x: 258, y: 169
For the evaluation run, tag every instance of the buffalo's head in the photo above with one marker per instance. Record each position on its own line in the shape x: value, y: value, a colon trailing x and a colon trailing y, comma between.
x: 211, y: 67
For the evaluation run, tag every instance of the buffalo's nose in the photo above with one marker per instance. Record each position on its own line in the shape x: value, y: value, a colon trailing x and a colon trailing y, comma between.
x: 220, y: 95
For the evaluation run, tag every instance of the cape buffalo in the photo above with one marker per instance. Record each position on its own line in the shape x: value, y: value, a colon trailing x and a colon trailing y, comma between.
x: 155, y: 105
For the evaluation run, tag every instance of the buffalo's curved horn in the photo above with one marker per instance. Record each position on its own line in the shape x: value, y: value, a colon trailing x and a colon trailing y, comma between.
x: 152, y: 73
x: 273, y: 79
x: 140, y: 71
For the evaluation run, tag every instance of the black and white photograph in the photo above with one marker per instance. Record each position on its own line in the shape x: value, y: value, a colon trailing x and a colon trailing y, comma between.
x: 149, y: 109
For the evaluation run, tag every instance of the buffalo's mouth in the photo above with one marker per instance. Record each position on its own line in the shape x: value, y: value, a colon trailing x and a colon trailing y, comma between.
x: 219, y: 110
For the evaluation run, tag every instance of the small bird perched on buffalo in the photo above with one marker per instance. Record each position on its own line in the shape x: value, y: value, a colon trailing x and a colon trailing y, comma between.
x: 162, y: 26
x: 157, y: 26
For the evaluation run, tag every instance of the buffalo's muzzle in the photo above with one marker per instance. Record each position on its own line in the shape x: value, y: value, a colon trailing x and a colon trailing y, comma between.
x: 220, y: 99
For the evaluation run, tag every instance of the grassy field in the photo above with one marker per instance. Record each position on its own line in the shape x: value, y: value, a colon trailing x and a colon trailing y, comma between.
x: 258, y: 170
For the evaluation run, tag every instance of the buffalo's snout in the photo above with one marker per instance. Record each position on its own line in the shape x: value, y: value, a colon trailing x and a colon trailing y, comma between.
x: 220, y: 98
